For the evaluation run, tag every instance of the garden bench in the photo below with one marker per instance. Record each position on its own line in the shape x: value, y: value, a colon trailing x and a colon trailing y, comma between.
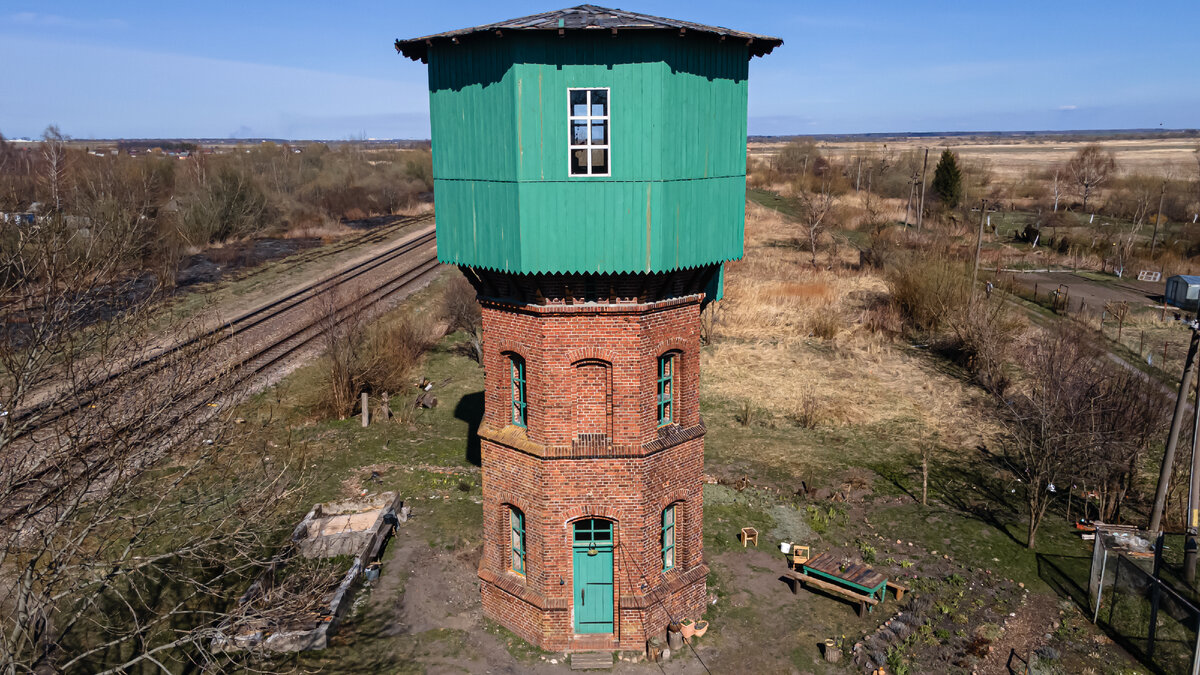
x: 850, y: 578
x: 862, y: 602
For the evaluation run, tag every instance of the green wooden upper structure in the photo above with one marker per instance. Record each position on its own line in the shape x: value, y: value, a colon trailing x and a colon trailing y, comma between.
x: 589, y: 140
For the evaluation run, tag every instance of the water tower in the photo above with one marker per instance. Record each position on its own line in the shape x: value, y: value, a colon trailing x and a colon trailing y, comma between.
x: 590, y: 174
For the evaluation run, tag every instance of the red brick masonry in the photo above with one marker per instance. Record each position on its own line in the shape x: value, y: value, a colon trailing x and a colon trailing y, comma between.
x: 592, y: 448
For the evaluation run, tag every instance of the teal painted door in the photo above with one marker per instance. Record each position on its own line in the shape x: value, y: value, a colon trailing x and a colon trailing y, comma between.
x: 593, y: 574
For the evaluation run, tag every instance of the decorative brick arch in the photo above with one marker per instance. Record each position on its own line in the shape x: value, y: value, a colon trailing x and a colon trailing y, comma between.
x: 507, y: 500
x: 680, y: 495
x: 673, y: 344
x: 576, y: 356
x: 506, y: 346
x: 590, y: 511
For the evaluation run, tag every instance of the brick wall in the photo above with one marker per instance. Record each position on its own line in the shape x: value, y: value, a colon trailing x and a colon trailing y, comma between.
x: 592, y: 448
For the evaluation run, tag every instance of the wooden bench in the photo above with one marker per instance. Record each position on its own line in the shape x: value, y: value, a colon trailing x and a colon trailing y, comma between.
x: 898, y: 589
x: 862, y: 601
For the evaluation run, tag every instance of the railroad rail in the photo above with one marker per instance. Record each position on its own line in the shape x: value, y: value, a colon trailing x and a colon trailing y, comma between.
x: 148, y: 364
x: 222, y: 381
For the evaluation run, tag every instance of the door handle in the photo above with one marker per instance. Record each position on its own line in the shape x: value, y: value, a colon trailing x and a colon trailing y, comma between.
x: 583, y: 596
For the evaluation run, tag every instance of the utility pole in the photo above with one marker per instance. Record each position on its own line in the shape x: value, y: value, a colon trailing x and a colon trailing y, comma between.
x: 858, y: 178
x: 978, y: 248
x: 1164, y: 474
x: 921, y: 208
x: 1154, y: 239
x: 1193, y: 508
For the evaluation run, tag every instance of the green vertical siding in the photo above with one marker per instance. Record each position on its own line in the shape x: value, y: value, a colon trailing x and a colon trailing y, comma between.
x: 678, y: 135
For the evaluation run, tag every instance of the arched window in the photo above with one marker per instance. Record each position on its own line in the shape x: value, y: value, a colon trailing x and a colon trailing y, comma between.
x: 520, y: 408
x: 666, y: 389
x: 516, y: 521
x: 668, y: 537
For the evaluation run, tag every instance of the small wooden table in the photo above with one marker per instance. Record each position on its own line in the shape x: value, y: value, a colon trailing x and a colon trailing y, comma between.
x: 856, y: 576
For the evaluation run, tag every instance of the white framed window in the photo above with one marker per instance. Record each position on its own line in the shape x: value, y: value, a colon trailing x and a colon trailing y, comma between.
x: 588, y: 132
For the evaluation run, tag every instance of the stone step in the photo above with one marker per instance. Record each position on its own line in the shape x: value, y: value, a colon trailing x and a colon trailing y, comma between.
x: 592, y: 661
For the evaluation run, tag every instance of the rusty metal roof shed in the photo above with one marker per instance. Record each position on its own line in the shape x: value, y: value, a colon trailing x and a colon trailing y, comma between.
x: 590, y: 18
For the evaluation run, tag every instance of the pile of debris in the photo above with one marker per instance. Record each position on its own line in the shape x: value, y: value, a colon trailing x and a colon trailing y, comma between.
x: 294, y: 606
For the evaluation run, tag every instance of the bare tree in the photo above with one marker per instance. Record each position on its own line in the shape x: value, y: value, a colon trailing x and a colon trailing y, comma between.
x: 54, y: 158
x: 131, y: 515
x: 1135, y: 414
x: 927, y: 448
x: 816, y: 210
x: 1049, y: 417
x: 1057, y: 188
x: 462, y: 312
x: 1079, y: 417
x: 1089, y: 169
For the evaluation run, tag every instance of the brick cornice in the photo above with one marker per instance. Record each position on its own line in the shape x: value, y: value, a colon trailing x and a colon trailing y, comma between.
x: 514, y: 586
x: 669, y: 582
x: 515, y: 437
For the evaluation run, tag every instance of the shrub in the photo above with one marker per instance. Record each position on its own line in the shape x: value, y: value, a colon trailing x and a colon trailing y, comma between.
x: 231, y: 205
x: 746, y: 415
x: 461, y: 311
x: 808, y: 413
x: 882, y: 317
x: 933, y: 294
x: 927, y: 289
x: 825, y: 323
x: 359, y: 360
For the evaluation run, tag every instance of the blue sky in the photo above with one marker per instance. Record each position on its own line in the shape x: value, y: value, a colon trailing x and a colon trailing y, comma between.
x: 260, y: 68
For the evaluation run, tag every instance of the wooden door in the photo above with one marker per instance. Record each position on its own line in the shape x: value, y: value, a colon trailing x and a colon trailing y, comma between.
x: 593, y: 574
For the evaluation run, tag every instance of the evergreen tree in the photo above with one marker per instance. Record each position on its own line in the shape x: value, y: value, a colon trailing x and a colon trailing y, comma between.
x: 947, y: 180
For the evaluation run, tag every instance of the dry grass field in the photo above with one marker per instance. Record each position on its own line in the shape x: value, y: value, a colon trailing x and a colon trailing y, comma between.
x: 792, y: 341
x: 1013, y: 158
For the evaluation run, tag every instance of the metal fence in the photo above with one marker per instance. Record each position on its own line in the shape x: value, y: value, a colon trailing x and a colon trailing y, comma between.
x: 1136, y: 603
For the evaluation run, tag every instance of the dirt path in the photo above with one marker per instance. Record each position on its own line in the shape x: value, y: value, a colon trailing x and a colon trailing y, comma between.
x: 424, y: 614
x: 1094, y: 293
x: 1023, y: 633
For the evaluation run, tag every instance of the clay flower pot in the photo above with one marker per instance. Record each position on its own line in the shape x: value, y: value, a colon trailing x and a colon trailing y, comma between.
x: 688, y: 628
x: 700, y: 628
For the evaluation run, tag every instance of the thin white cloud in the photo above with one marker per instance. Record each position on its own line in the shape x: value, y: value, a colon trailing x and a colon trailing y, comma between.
x: 57, y: 21
x: 1068, y: 107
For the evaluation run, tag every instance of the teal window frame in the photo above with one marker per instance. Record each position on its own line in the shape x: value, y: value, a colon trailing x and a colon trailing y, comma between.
x: 669, y: 516
x: 516, y: 520
x: 666, y: 389
x: 593, y: 531
x: 517, y: 378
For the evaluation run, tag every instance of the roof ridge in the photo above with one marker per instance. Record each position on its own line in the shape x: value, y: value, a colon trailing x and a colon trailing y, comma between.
x: 588, y: 17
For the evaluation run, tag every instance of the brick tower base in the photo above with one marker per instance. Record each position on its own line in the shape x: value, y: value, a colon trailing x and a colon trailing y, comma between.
x: 594, y: 446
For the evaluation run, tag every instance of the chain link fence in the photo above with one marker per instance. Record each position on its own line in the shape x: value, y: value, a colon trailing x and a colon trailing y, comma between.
x: 1139, y: 600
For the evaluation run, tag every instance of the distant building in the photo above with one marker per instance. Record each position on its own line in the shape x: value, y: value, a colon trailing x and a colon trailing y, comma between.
x: 1183, y: 291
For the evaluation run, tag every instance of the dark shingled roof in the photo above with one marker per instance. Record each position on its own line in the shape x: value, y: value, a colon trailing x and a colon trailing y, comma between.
x: 588, y: 17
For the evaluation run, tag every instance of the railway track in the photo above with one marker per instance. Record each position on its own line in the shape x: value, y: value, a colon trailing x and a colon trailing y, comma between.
x: 378, y: 280
x: 48, y: 412
x: 373, y: 236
